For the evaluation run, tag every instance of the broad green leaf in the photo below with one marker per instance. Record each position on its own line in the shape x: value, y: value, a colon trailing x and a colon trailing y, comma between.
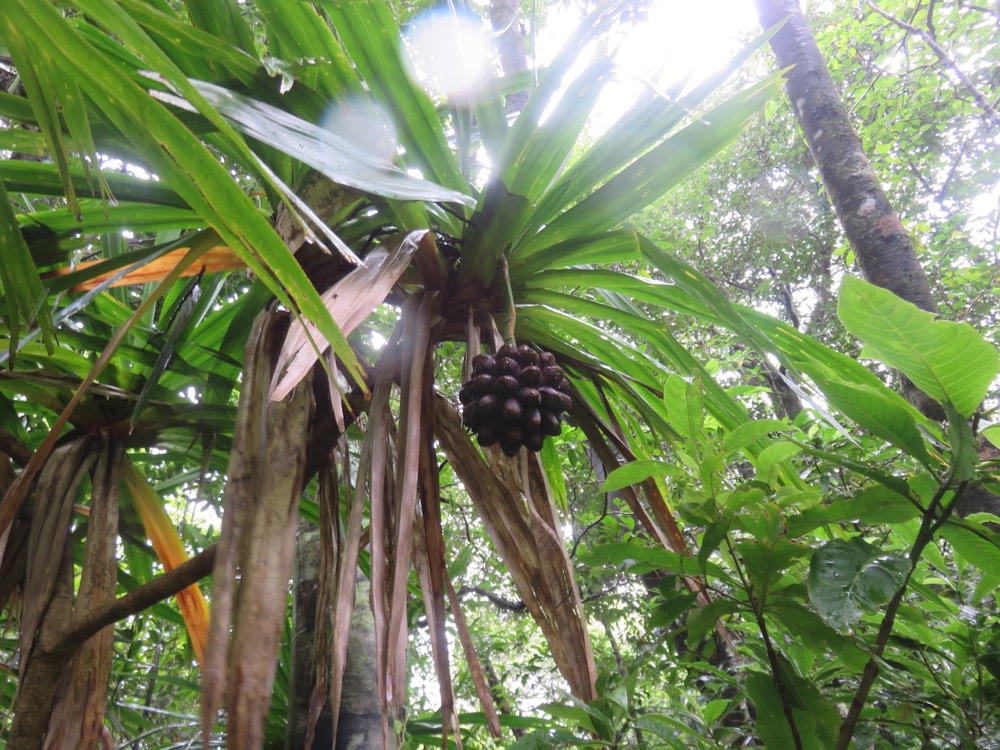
x: 964, y: 453
x: 767, y: 460
x: 650, y: 558
x: 884, y: 414
x: 873, y: 505
x: 666, y: 612
x: 636, y: 472
x: 714, y: 535
x: 765, y: 562
x: 668, y: 729
x: 849, y: 577
x: 992, y: 433
x: 979, y: 549
x: 816, y: 721
x: 950, y: 362
x: 703, y: 619
x: 750, y: 432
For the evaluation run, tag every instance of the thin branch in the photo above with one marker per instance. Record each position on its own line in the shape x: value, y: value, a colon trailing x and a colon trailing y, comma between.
x: 142, y: 597
x: 944, y: 57
x: 498, y: 601
x: 928, y: 527
x: 772, y: 655
x: 590, y: 526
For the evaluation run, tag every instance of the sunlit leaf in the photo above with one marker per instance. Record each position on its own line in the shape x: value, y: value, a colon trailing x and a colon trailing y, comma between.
x: 326, y: 151
x: 948, y: 361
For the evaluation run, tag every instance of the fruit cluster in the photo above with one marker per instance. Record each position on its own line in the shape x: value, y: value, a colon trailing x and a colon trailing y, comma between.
x: 515, y: 398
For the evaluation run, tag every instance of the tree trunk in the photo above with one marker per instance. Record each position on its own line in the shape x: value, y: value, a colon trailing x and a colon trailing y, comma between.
x: 510, y: 45
x: 884, y: 249
x: 360, y: 723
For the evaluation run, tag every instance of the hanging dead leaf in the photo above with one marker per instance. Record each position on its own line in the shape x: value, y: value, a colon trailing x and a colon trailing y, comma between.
x: 350, y: 301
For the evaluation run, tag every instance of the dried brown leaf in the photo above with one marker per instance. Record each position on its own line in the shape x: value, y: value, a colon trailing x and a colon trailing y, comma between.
x: 416, y: 318
x: 531, y: 549
x: 350, y: 301
x: 346, y: 577
x: 472, y: 659
x: 54, y: 495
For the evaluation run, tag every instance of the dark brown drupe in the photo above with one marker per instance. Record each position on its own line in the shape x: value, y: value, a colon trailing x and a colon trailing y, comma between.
x: 515, y: 397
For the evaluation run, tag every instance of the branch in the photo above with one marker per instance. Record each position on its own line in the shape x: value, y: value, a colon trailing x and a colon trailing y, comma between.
x: 944, y: 57
x: 772, y: 655
x: 156, y: 590
x: 498, y: 601
x: 929, y: 526
x: 14, y: 448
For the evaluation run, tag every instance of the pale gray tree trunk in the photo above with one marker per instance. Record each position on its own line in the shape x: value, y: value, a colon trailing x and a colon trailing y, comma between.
x: 360, y: 725
x: 506, y: 22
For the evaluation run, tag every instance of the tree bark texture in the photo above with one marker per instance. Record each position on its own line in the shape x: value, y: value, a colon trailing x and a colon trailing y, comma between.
x: 305, y: 592
x: 360, y: 721
x: 883, y: 247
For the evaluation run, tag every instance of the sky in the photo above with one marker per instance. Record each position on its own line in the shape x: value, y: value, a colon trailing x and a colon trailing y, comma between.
x: 676, y: 38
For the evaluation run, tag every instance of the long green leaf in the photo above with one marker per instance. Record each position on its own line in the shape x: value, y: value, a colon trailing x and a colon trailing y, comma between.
x: 325, y: 151
x: 950, y: 362
x: 20, y: 282
x: 195, y: 172
x: 36, y: 178
x: 649, y: 177
x: 372, y: 38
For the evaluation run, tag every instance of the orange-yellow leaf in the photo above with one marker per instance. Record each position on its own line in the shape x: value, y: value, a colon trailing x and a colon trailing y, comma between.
x: 169, y: 549
x: 216, y: 259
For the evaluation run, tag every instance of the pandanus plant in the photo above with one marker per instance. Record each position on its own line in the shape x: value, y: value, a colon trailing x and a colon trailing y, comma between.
x: 196, y: 130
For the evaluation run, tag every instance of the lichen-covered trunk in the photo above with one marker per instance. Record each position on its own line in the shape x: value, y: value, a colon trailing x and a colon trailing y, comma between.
x: 506, y: 23
x: 883, y: 247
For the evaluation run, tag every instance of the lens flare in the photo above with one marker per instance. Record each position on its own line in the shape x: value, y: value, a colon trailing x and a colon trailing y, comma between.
x: 364, y: 125
x: 447, y: 52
